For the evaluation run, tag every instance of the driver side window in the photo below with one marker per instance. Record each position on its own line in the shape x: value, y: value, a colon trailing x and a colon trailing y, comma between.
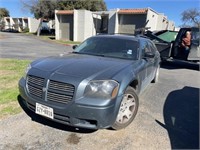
x: 145, y: 47
x: 152, y: 47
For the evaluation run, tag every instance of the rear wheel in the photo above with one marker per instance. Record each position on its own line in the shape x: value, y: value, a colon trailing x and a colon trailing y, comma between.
x: 128, y: 109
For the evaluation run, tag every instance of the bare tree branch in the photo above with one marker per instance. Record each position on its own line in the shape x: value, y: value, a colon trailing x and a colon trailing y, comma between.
x: 191, y: 16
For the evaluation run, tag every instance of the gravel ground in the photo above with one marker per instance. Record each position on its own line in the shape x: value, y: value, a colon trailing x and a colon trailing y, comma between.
x: 168, y: 117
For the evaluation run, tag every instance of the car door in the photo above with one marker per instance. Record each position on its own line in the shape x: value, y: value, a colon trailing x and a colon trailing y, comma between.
x: 150, y: 60
x: 153, y: 62
x: 145, y: 63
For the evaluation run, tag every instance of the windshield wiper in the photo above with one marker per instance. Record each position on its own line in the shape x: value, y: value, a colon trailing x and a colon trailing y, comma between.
x: 76, y: 52
x: 93, y: 54
x: 101, y: 55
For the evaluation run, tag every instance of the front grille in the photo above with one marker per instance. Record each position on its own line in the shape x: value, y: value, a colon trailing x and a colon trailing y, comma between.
x: 57, y: 91
x: 35, y: 85
x: 36, y: 80
x: 60, y: 86
x: 60, y: 92
x: 62, y: 98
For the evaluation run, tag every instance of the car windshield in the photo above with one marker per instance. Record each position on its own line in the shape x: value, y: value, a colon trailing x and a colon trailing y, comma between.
x: 109, y: 47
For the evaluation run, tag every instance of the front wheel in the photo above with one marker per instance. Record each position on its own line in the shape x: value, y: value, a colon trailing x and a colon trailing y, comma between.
x: 128, y: 109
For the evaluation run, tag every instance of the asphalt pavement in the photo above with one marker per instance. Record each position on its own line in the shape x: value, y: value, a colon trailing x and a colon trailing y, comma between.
x: 23, y: 46
x: 168, y: 116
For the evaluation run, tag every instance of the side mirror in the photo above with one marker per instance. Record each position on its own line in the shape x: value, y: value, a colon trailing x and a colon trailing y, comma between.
x: 74, y: 46
x: 149, y: 55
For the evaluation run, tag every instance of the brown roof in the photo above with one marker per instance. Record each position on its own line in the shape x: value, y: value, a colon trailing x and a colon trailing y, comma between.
x: 65, y: 12
x: 133, y: 11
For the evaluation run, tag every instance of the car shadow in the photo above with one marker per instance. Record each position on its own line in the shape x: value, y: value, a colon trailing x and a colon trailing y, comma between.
x: 181, y: 116
x: 48, y: 122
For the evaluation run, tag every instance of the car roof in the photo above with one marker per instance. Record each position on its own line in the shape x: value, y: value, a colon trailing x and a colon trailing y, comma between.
x: 121, y: 36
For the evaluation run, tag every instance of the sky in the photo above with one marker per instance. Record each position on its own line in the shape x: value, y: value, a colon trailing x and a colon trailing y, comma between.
x: 171, y: 8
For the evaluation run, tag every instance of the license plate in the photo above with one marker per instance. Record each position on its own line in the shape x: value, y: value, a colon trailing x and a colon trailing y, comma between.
x: 44, y: 110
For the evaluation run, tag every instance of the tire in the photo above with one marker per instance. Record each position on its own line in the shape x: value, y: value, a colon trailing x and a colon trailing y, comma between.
x: 155, y: 79
x: 128, y: 109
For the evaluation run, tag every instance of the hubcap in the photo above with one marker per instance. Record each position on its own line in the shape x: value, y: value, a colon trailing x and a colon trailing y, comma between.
x: 126, y: 109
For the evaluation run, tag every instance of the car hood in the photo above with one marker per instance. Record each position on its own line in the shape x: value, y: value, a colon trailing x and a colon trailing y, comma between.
x: 82, y: 66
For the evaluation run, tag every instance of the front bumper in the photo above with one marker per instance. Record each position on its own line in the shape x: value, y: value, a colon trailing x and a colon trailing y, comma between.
x: 76, y: 114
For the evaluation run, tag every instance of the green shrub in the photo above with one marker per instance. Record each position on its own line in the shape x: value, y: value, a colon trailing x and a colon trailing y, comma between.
x: 26, y: 29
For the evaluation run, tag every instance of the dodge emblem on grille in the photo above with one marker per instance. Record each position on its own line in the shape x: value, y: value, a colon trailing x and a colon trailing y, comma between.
x: 44, y: 89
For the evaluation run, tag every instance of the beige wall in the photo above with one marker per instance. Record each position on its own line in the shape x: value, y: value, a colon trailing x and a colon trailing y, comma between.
x: 84, y: 22
x: 7, y: 22
x: 21, y: 23
x: 113, y: 22
x: 128, y: 23
x: 57, y: 29
x: 160, y: 22
x: 83, y: 25
x: 171, y: 25
x: 64, y: 26
x: 33, y: 24
x: 152, y: 18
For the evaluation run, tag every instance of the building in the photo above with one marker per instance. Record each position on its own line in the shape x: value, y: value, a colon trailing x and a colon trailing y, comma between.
x: 74, y: 25
x: 78, y: 25
x: 19, y: 24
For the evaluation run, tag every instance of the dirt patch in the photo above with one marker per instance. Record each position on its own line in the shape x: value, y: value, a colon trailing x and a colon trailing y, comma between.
x: 6, y: 72
x: 73, y: 139
x: 8, y: 85
x: 3, y: 36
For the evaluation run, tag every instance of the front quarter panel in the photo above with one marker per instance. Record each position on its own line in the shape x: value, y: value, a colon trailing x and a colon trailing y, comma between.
x: 133, y: 72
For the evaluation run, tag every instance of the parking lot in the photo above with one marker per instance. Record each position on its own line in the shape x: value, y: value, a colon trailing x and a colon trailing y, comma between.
x: 168, y: 116
x: 22, y: 46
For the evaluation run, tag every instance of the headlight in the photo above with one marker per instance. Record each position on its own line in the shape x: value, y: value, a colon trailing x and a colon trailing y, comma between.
x: 103, y: 89
x: 26, y: 70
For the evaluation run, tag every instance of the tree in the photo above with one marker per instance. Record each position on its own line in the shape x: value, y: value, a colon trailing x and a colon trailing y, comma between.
x: 41, y: 9
x: 191, y: 16
x: 92, y: 5
x: 4, y: 13
x: 45, y: 9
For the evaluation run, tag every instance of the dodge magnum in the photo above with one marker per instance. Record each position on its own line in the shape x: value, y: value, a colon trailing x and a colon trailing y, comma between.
x: 95, y: 86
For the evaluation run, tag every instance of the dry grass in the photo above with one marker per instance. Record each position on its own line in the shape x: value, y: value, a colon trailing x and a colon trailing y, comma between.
x: 9, y: 108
